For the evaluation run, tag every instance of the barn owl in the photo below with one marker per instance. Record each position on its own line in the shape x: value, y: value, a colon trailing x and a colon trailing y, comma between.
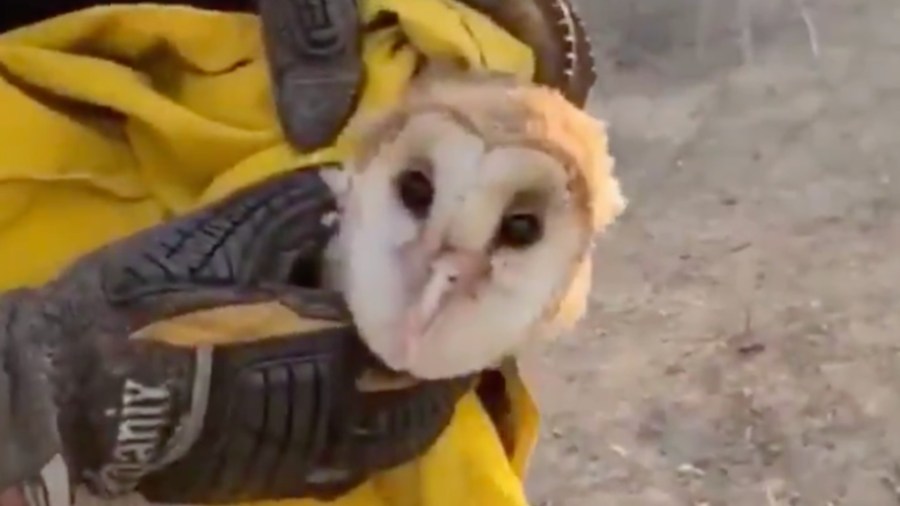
x: 468, y: 216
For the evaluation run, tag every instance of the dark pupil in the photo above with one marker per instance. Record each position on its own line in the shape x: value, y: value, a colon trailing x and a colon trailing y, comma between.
x: 519, y: 230
x: 416, y: 192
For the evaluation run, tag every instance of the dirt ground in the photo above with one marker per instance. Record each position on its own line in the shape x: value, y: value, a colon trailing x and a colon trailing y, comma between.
x: 742, y: 348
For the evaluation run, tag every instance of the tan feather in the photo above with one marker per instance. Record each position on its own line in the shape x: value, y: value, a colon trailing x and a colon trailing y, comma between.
x: 502, y: 110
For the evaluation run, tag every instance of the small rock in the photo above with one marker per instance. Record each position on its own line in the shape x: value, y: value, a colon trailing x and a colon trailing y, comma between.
x: 622, y: 452
x: 728, y: 201
x: 689, y: 469
x: 751, y: 348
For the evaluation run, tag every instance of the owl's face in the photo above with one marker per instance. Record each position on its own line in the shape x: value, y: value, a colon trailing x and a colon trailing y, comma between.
x: 463, y: 238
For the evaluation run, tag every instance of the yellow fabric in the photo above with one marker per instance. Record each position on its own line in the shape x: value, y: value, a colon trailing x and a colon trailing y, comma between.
x: 235, y: 324
x: 115, y: 118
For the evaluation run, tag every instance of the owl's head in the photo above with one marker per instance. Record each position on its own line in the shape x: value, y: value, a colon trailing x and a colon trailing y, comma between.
x: 468, y: 221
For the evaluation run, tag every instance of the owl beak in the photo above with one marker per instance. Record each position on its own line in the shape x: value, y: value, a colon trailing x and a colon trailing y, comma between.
x: 452, y: 274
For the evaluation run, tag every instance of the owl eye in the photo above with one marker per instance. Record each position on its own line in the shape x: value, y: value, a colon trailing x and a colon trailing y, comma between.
x: 519, y: 230
x: 415, y: 191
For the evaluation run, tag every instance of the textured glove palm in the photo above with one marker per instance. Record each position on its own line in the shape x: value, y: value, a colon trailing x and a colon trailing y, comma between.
x: 88, y: 373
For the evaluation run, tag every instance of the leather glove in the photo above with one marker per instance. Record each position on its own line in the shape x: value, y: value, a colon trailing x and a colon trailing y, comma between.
x: 313, y: 48
x: 111, y: 366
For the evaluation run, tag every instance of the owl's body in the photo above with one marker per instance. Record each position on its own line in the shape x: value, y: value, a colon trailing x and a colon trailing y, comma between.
x: 468, y: 222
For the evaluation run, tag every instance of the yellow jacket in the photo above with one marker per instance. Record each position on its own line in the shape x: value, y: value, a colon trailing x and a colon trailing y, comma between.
x: 115, y: 118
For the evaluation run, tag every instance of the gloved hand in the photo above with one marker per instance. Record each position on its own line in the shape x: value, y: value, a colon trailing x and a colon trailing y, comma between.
x: 117, y: 364
x: 313, y: 48
x: 198, y: 362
